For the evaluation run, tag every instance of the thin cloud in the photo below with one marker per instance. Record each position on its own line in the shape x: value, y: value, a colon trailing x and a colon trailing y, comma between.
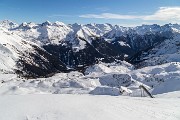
x: 162, y: 14
x: 60, y: 15
x: 109, y: 16
x: 165, y: 14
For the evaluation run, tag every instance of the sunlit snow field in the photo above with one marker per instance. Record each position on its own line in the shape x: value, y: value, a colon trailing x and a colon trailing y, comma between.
x: 95, y: 95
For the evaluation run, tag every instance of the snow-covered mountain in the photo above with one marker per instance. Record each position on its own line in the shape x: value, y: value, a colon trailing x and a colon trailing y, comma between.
x: 167, y: 51
x: 42, y: 49
x: 164, y: 52
x: 23, y: 56
x: 97, y: 59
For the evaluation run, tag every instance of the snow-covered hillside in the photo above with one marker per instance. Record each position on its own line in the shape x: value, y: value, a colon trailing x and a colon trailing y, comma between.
x: 11, y: 48
x: 41, y: 64
x: 78, y: 46
x: 100, y: 79
x: 49, y: 99
x: 167, y: 51
x: 88, y: 59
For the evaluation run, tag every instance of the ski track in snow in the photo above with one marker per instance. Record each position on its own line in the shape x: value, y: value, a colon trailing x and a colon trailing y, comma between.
x: 86, y: 107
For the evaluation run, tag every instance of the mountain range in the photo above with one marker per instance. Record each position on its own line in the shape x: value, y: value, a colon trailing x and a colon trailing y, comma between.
x: 40, y: 50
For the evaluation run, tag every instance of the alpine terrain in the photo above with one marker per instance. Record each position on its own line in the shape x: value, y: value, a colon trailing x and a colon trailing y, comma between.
x: 111, y: 70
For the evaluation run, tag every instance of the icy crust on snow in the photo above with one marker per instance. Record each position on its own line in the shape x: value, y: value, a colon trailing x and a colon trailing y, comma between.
x: 100, y: 79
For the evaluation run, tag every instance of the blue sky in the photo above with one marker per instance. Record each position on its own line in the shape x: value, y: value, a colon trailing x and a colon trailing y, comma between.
x: 123, y: 12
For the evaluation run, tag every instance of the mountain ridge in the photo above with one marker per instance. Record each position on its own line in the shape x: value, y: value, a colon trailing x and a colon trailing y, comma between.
x: 77, y: 46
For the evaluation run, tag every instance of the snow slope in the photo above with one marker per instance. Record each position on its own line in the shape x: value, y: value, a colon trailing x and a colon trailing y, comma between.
x: 45, y: 33
x: 40, y: 99
x: 26, y: 41
x: 8, y: 24
x: 11, y: 48
x: 50, y: 99
x: 83, y: 41
x: 85, y: 107
x: 163, y: 78
x: 167, y: 51
x: 100, y: 79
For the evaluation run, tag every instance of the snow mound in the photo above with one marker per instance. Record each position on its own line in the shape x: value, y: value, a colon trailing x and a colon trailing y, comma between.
x: 162, y: 78
x: 103, y: 68
x: 156, y: 79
